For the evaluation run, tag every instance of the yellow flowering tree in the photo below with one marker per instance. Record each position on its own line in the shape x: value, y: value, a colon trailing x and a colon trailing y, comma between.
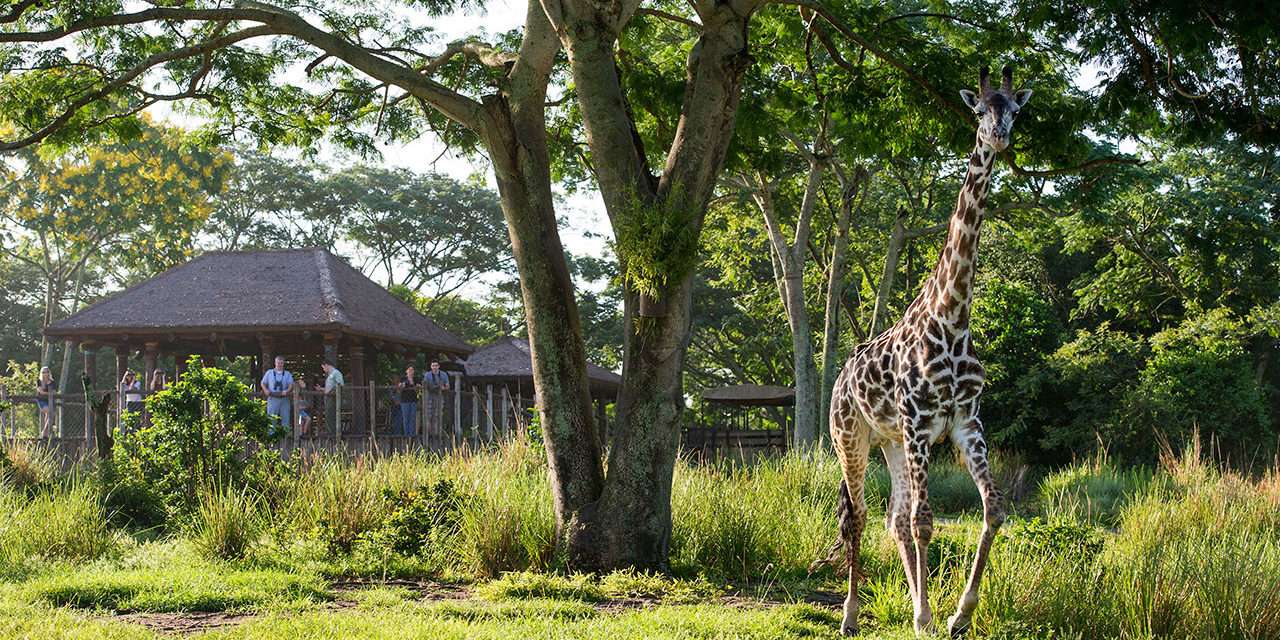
x: 103, y: 215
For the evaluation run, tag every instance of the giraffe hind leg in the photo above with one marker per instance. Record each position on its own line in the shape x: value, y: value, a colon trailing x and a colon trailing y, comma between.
x: 853, y: 449
x: 898, y: 513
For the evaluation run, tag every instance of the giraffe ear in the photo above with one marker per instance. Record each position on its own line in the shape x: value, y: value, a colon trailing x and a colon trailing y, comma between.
x: 971, y: 100
x: 1021, y: 96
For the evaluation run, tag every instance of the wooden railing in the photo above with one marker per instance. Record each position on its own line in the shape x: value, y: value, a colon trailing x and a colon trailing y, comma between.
x: 363, y: 418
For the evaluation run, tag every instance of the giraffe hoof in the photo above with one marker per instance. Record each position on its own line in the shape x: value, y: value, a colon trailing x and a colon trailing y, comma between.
x: 956, y: 627
x: 849, y: 629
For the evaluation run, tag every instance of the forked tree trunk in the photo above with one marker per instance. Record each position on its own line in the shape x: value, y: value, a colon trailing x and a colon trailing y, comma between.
x: 515, y: 135
x: 632, y: 522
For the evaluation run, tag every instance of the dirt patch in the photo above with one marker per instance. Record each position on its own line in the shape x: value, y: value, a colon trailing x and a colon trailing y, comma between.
x: 183, y: 623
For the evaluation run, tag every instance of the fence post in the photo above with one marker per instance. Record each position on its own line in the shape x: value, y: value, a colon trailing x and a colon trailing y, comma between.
x: 475, y: 410
x: 337, y: 416
x: 488, y: 413
x: 457, y: 411
x: 7, y: 417
x: 373, y: 416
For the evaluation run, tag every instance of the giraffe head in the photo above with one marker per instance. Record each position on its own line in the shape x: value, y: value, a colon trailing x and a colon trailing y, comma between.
x: 996, y: 108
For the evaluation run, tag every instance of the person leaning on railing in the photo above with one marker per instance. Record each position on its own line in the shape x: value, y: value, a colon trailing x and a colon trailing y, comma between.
x: 408, y: 388
x: 333, y: 383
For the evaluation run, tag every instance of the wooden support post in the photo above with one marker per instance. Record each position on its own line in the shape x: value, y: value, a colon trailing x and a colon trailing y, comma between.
x: 488, y: 413
x: 506, y: 412
x: 373, y: 416
x: 359, y: 420
x: 90, y: 371
x: 58, y: 403
x: 150, y: 353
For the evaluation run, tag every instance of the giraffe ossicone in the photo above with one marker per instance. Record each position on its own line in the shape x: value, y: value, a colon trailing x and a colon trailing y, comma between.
x: 920, y: 382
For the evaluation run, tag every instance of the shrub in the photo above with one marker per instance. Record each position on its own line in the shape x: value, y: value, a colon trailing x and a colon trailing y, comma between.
x: 1201, y: 376
x: 419, y: 519
x: 206, y: 428
x: 128, y: 499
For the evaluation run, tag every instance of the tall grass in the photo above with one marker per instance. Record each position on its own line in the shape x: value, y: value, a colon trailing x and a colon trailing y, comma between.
x: 27, y: 466
x: 58, y: 523
x: 228, y: 522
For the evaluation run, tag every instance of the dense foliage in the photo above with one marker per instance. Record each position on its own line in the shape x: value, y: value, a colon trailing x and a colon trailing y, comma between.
x: 204, y: 431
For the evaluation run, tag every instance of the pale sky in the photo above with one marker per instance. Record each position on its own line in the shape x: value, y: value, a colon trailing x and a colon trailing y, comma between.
x: 587, y: 226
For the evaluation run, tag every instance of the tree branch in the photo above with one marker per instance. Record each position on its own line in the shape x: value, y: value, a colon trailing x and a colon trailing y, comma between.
x: 127, y: 77
x: 657, y: 13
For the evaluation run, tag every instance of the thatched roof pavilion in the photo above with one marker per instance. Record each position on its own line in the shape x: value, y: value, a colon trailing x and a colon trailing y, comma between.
x: 507, y: 364
x: 306, y: 304
x: 508, y: 361
x: 751, y: 395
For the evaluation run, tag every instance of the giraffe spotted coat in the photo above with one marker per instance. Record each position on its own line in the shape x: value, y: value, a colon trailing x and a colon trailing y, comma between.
x: 919, y: 383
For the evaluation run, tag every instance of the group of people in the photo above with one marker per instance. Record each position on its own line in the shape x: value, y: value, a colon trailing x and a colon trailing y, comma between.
x: 407, y: 394
x: 130, y: 389
x: 278, y: 387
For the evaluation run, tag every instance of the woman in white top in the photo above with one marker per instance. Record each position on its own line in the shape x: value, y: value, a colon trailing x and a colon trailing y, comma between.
x: 131, y: 389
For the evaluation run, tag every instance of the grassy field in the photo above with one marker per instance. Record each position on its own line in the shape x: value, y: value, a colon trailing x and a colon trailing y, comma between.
x: 462, y: 546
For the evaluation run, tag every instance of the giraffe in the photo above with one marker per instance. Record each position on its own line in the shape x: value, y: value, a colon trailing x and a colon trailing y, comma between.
x: 920, y: 381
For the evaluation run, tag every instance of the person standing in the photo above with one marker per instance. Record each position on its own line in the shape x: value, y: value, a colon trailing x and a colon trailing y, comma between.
x: 44, y: 387
x: 333, y: 382
x: 436, y: 382
x: 277, y: 386
x: 408, y: 388
x: 304, y: 406
x: 158, y: 381
x: 131, y: 391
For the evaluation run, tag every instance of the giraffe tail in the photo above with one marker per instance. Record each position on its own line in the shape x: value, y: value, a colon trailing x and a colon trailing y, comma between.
x: 841, y: 555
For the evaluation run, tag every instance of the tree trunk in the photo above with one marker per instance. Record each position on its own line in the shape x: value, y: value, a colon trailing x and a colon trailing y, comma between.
x: 633, y: 519
x: 515, y: 135
x: 849, y: 187
x: 631, y: 523
x: 891, y: 257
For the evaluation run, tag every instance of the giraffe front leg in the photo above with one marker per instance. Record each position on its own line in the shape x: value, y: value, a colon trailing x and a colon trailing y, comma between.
x: 973, y: 448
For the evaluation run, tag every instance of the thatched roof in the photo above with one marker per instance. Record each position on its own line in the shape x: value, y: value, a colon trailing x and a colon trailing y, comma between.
x: 509, y: 359
x: 261, y: 291
x: 751, y: 395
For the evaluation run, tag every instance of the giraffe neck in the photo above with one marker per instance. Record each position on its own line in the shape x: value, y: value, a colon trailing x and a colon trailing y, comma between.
x: 949, y: 291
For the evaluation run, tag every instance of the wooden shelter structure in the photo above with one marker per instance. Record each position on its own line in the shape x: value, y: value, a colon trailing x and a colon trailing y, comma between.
x: 306, y: 304
x: 735, y: 419
x: 505, y: 367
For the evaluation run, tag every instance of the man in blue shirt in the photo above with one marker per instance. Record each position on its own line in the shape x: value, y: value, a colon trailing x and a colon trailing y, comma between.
x: 277, y: 386
x: 436, y: 383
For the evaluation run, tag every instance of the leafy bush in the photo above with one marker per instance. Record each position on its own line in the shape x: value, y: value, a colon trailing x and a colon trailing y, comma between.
x: 1201, y: 376
x: 205, y: 430
x: 420, y: 519
x: 129, y: 500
